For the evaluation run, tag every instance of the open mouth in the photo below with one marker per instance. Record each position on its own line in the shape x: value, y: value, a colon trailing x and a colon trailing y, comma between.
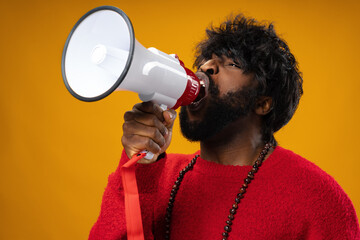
x: 204, y: 83
x: 202, y: 91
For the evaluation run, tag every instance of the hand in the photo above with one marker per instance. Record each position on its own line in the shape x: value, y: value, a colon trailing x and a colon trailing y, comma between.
x: 147, y: 127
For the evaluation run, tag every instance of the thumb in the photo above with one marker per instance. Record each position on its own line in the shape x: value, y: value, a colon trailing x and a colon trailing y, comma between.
x: 169, y: 116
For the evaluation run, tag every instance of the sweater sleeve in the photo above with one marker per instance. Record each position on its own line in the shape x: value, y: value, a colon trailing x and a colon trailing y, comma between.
x: 333, y: 216
x: 111, y: 223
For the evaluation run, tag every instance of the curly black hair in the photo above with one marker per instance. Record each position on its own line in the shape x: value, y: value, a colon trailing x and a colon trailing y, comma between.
x: 260, y: 51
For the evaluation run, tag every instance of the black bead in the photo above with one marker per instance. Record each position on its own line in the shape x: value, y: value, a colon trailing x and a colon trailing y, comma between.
x: 227, y: 228
x: 229, y: 222
x: 258, y: 163
x: 240, y: 195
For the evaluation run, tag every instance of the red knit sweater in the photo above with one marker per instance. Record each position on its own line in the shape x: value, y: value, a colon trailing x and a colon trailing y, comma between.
x: 289, y: 198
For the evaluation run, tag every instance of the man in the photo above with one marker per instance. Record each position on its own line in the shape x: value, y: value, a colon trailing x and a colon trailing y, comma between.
x: 243, y: 185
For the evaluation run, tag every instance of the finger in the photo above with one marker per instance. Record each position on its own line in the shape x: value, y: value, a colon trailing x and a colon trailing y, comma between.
x: 136, y: 143
x: 136, y: 128
x: 146, y: 119
x: 150, y: 120
x: 169, y: 118
x: 149, y: 107
x: 129, y: 115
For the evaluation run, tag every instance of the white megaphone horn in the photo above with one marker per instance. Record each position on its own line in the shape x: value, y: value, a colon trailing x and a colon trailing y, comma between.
x: 101, y: 55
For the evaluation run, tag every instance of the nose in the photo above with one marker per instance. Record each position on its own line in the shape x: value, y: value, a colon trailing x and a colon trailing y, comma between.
x: 210, y: 67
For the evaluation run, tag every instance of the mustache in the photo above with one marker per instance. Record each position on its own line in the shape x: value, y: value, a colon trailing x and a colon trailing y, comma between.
x: 213, y: 88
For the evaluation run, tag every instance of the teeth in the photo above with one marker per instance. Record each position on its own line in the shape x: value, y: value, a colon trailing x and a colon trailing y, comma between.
x: 202, y: 83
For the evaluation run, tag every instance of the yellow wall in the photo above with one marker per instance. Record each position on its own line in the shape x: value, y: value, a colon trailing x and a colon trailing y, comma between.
x: 56, y: 152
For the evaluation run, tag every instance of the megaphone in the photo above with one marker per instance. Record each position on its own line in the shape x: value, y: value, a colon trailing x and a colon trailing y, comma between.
x: 101, y: 55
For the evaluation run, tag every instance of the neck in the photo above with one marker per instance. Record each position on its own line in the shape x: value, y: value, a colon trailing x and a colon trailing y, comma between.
x: 234, y: 145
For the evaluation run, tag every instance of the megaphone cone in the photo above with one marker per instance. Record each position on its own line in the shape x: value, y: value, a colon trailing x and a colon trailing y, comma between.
x: 101, y: 55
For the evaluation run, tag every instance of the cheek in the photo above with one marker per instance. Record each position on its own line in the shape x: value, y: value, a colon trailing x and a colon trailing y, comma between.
x: 227, y: 87
x: 230, y: 83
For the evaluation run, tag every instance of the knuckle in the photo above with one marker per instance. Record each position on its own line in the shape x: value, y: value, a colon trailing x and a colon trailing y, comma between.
x: 155, y: 133
x: 152, y: 146
x: 159, y: 138
x: 138, y: 105
x: 146, y: 106
x: 124, y: 140
x: 128, y: 115
x: 126, y: 126
x: 164, y: 130
x: 162, y: 141
x: 149, y: 143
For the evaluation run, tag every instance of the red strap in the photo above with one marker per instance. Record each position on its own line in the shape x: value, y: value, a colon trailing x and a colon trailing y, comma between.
x: 134, y: 225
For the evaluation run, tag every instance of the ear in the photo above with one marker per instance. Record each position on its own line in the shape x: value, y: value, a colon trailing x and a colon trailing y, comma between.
x: 263, y: 105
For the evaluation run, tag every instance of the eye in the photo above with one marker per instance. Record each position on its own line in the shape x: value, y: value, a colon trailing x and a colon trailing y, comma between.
x: 234, y: 65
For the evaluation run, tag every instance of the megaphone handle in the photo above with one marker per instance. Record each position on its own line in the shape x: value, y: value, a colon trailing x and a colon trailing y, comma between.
x: 150, y: 155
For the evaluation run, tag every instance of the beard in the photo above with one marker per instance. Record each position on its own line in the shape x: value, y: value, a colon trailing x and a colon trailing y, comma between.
x: 219, y: 112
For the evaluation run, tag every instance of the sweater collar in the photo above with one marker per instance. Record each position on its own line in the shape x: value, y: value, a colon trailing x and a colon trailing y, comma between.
x: 212, y: 169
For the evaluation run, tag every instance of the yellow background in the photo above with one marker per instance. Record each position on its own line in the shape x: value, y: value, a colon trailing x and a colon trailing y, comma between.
x: 56, y: 152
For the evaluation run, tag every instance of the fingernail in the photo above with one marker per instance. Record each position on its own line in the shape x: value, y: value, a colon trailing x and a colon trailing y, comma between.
x: 171, y: 115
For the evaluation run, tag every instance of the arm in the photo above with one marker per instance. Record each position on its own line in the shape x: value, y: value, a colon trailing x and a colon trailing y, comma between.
x: 333, y: 215
x: 145, y: 127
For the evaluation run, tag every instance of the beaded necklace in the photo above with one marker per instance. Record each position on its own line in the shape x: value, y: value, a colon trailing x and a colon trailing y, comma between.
x: 239, y: 196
